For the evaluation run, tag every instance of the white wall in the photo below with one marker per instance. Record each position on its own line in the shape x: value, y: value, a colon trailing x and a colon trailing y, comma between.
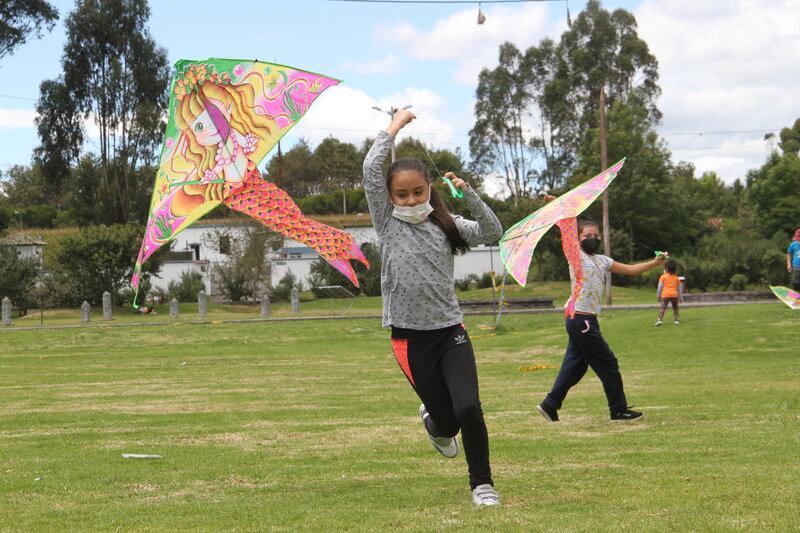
x: 479, y: 260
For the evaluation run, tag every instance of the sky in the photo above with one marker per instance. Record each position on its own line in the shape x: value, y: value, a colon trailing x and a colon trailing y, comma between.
x: 728, y: 68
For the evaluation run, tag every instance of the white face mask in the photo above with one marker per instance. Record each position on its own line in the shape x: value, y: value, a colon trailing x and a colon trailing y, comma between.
x: 415, y: 214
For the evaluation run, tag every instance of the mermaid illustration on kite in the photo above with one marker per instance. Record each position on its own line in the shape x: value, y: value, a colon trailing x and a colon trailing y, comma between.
x: 225, y: 116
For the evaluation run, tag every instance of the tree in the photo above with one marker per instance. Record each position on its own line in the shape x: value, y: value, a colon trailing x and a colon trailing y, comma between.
x: 790, y: 139
x: 774, y: 191
x: 603, y: 49
x: 291, y: 171
x: 498, y: 140
x: 369, y: 280
x: 245, y: 271
x: 336, y: 165
x: 17, y: 277
x: 21, y: 19
x: 116, y: 75
x: 644, y: 201
x: 101, y: 258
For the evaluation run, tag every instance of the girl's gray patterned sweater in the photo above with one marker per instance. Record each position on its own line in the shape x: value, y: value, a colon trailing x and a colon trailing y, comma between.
x: 417, y: 282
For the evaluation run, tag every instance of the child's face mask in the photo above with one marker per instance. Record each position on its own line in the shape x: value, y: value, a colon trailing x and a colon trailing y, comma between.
x: 415, y: 214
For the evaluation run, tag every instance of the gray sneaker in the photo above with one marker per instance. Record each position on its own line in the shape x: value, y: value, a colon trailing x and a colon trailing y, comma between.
x: 485, y: 495
x: 447, y: 446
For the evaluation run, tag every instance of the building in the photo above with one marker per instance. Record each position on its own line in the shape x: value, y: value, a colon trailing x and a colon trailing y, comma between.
x: 203, y: 246
x: 25, y: 246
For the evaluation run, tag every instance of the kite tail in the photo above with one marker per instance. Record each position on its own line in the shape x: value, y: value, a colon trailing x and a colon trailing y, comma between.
x: 572, y: 251
x: 273, y: 208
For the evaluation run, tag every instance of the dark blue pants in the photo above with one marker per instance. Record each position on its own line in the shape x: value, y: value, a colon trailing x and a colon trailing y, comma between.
x: 587, y: 348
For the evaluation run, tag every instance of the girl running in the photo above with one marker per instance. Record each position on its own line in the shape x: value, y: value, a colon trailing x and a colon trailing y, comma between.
x: 419, y: 239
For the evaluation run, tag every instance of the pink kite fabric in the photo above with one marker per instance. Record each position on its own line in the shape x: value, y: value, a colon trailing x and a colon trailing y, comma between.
x: 225, y: 117
x: 572, y: 251
x: 787, y: 296
x: 519, y: 242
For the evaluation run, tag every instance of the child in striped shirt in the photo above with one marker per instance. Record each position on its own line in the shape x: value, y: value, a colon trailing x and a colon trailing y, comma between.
x: 587, y: 347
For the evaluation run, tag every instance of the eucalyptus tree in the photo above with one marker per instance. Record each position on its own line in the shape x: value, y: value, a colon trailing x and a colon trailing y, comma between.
x: 115, y: 76
x: 21, y: 19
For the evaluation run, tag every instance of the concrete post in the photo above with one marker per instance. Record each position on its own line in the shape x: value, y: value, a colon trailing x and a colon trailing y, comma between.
x: 265, y: 308
x: 202, y: 304
x: 106, y: 305
x: 6, y: 311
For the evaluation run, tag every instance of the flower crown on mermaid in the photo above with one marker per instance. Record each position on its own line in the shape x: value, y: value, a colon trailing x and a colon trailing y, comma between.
x: 195, y: 75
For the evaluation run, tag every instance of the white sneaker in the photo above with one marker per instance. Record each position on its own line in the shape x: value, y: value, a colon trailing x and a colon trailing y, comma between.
x: 658, y: 322
x: 677, y: 322
x: 447, y: 446
x: 485, y: 495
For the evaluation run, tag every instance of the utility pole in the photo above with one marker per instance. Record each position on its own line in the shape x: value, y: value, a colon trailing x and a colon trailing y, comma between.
x: 603, y: 165
x: 391, y: 111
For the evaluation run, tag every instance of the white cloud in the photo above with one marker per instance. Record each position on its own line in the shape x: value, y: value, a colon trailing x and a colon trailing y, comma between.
x: 387, y: 64
x: 459, y: 38
x: 17, y: 118
x: 725, y: 65
x: 348, y: 115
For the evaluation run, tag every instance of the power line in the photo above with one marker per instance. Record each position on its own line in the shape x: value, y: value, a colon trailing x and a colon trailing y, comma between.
x: 18, y: 97
x: 445, y: 1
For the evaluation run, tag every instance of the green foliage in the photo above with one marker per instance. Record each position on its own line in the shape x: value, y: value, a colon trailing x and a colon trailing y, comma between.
x: 17, y: 277
x: 497, y: 141
x: 244, y: 271
x: 774, y: 191
x: 187, y: 289
x: 790, y: 139
x: 23, y: 19
x: 283, y: 290
x: 369, y: 280
x: 290, y: 170
x: 334, y: 202
x: 734, y: 256
x: 113, y: 72
x: 101, y: 258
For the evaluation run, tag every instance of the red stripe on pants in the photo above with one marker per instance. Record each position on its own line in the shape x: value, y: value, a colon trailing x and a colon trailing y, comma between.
x: 400, y: 349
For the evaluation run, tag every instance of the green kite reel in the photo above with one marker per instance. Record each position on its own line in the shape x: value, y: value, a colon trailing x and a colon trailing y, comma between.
x: 457, y: 193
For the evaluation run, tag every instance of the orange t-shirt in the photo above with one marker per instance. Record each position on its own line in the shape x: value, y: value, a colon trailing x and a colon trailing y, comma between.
x: 670, y: 285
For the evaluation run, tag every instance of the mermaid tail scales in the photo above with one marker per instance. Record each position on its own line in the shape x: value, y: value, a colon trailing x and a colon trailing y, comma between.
x: 273, y: 208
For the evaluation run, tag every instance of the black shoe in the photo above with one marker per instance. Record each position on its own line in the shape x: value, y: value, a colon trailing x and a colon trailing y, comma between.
x: 548, y: 412
x: 627, y: 414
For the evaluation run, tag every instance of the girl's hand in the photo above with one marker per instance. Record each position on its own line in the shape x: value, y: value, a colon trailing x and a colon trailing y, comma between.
x: 402, y: 117
x: 399, y: 120
x: 458, y: 183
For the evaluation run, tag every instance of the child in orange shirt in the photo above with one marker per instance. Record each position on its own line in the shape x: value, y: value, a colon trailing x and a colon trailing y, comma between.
x: 670, y: 290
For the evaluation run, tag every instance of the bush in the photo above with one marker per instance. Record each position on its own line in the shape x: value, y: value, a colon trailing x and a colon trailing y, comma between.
x: 469, y: 282
x: 738, y: 282
x: 102, y: 258
x: 17, y: 277
x: 283, y: 290
x: 369, y: 280
x: 187, y: 289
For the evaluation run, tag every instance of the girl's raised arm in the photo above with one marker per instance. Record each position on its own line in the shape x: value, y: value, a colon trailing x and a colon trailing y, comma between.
x: 380, y: 208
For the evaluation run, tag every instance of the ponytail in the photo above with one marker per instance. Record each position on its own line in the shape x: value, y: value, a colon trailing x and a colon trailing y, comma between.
x: 441, y: 214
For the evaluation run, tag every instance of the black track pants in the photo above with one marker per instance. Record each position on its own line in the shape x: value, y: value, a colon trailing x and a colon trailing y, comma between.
x: 440, y: 365
x: 587, y: 348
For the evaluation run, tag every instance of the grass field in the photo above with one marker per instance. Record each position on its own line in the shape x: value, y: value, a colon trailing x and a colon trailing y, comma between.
x: 312, y: 426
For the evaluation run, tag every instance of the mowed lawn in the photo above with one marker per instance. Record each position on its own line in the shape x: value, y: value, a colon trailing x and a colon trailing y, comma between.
x: 312, y: 426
